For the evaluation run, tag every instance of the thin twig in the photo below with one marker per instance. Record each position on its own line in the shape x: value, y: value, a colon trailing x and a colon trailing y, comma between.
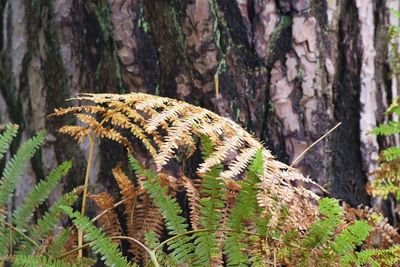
x: 313, y: 144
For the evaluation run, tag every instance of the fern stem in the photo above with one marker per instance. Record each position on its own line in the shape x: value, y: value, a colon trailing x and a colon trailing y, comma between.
x: 85, y: 190
x: 12, y: 227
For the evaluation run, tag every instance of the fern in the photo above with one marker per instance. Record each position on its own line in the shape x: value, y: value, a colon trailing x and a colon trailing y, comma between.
x: 57, y: 245
x: 175, y: 126
x: 151, y: 240
x: 321, y: 231
x: 374, y: 257
x: 43, y: 261
x: 245, y: 209
x: 6, y: 138
x: 269, y: 216
x: 391, y: 153
x: 181, y: 248
x: 101, y: 244
x: 211, y: 204
x: 47, y: 223
x: 390, y: 128
x: 14, y: 168
x: 387, y: 180
x: 351, y: 237
x: 50, y: 219
x: 41, y: 191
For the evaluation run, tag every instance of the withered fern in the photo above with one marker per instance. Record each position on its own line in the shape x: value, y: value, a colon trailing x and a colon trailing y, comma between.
x: 245, y: 207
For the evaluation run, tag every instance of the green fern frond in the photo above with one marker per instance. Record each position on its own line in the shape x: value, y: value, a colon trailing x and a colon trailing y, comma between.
x: 50, y: 219
x: 374, y: 257
x: 14, y: 168
x: 394, y: 106
x: 56, y: 247
x: 246, y: 204
x: 210, y: 215
x: 391, y: 153
x: 100, y: 243
x: 234, y: 247
x: 6, y: 138
x: 4, y: 240
x: 351, y: 237
x: 245, y: 209
x: 41, y: 191
x: 322, y: 230
x: 47, y: 223
x: 207, y: 147
x: 42, y: 261
x: 181, y: 248
x: 390, y: 128
x: 136, y: 166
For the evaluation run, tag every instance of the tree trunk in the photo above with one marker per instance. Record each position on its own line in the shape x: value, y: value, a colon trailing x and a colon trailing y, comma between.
x: 286, y: 70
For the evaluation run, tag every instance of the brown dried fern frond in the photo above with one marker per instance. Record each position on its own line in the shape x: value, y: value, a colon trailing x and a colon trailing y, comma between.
x: 193, y: 196
x: 167, y: 125
x: 109, y: 221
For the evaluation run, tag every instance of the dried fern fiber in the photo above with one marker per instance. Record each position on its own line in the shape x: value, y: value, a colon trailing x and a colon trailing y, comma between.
x: 166, y: 126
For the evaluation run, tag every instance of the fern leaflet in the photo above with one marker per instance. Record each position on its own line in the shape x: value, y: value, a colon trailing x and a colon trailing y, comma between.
x: 41, y: 191
x: 100, y: 243
x: 351, y: 237
x: 43, y: 261
x: 181, y: 248
x: 322, y: 230
x: 246, y: 207
x: 211, y: 205
x: 6, y: 138
x: 14, y: 168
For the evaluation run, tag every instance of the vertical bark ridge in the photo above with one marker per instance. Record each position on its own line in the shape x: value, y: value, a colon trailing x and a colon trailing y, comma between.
x: 368, y: 101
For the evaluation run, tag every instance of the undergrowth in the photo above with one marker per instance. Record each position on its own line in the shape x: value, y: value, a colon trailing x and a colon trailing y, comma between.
x: 239, y: 208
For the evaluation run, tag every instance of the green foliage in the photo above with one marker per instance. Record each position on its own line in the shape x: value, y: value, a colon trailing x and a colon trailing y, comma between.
x: 245, y: 209
x: 180, y: 247
x: 41, y: 191
x: 46, y: 224
x: 374, y: 257
x: 99, y: 242
x: 389, y: 128
x: 351, y: 237
x: 6, y: 138
x: 321, y: 231
x: 21, y: 241
x: 43, y: 261
x: 327, y: 243
x: 57, y: 246
x: 210, y: 215
x: 14, y: 168
x: 387, y: 176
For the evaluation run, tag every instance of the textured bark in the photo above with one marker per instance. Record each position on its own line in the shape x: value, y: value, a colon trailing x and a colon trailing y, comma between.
x: 287, y: 71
